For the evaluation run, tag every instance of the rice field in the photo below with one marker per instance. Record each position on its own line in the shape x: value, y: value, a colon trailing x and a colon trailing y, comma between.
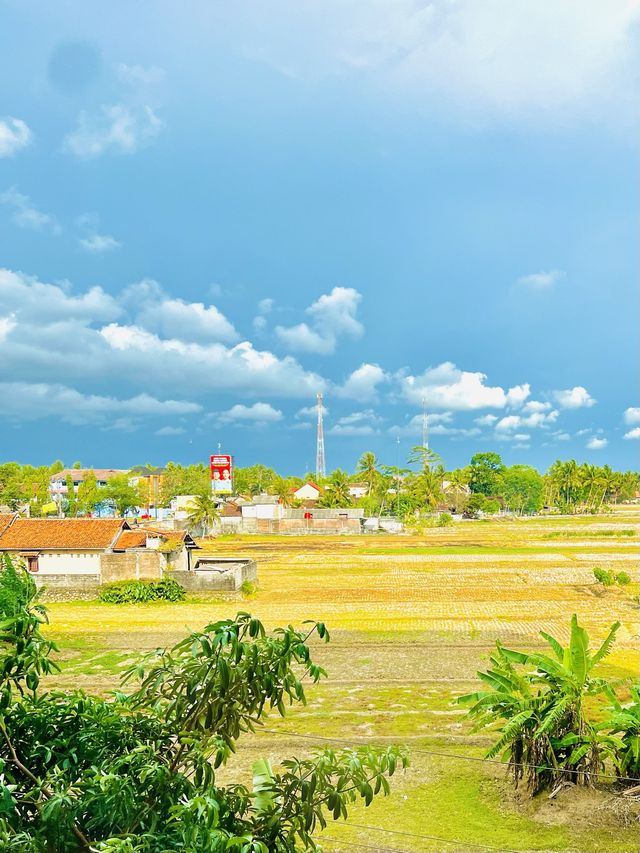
x: 412, y: 618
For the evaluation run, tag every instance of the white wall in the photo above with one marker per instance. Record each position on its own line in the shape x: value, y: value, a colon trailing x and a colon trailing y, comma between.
x: 307, y: 493
x: 69, y: 563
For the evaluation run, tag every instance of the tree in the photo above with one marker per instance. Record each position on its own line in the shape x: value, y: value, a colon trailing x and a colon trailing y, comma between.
x: 121, y: 494
x: 426, y: 487
x: 541, y: 711
x: 136, y: 773
x: 72, y: 503
x: 457, y: 490
x: 522, y: 489
x: 203, y: 513
x: 337, y: 492
x: 486, y: 473
x: 88, y: 493
x: 423, y: 456
x: 368, y: 471
x: 183, y: 480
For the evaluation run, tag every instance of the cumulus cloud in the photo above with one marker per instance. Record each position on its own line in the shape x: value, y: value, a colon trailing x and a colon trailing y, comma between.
x: 362, y: 384
x: 333, y: 316
x: 117, y: 129
x: 357, y: 423
x: 597, y: 443
x: 633, y: 433
x: 154, y: 310
x: 632, y: 415
x: 170, y: 430
x: 517, y: 395
x: 535, y: 419
x: 486, y: 420
x: 61, y: 336
x: 310, y: 412
x: 26, y: 214
x: 14, y: 135
x: 541, y: 280
x: 447, y: 387
x: 574, y: 398
x: 536, y: 406
x: 258, y: 413
x: 34, y: 401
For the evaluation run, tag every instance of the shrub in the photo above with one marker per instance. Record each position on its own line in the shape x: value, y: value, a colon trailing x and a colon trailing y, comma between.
x: 623, y: 579
x: 491, y: 506
x: 248, y: 589
x: 604, y: 577
x: 136, y: 592
x: 444, y: 519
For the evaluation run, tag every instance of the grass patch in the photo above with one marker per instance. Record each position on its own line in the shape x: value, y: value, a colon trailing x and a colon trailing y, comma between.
x: 591, y: 534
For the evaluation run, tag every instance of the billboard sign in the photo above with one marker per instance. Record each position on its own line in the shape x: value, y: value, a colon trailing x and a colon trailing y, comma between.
x: 221, y: 473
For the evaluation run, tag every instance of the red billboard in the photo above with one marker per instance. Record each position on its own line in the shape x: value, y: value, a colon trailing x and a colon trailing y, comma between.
x: 221, y: 466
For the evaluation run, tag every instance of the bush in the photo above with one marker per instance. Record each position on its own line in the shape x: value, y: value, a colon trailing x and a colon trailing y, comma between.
x: 248, y: 589
x: 491, y: 506
x: 444, y: 519
x: 608, y: 578
x: 136, y: 592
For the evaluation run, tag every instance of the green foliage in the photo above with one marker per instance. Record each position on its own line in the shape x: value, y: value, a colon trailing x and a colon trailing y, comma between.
x: 337, y: 493
x: 624, y: 723
x: 607, y: 577
x: 248, y: 589
x: 486, y: 471
x: 203, y: 513
x: 522, y: 489
x: 444, y: 519
x: 121, y: 494
x: 137, y: 772
x: 137, y: 592
x: 538, y: 702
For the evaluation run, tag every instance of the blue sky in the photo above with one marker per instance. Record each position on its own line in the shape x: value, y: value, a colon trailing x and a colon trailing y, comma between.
x: 210, y: 211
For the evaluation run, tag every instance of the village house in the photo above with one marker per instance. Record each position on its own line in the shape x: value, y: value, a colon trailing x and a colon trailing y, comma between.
x: 58, y: 481
x: 358, y: 490
x: 79, y: 554
x: 309, y: 491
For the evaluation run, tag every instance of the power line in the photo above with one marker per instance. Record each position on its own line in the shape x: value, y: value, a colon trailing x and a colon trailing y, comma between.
x: 451, y: 755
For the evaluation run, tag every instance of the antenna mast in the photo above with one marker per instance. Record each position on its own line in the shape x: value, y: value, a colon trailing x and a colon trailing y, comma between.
x: 320, y: 463
x: 425, y: 424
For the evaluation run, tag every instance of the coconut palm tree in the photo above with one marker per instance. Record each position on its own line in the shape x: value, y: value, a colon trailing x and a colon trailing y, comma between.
x: 541, y: 710
x: 423, y: 456
x: 337, y: 492
x: 367, y: 470
x: 203, y: 513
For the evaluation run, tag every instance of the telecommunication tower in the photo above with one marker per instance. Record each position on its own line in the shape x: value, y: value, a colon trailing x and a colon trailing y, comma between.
x: 320, y: 463
x: 425, y: 424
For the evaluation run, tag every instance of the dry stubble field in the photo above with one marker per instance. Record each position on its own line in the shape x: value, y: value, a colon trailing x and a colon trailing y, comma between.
x: 411, y: 618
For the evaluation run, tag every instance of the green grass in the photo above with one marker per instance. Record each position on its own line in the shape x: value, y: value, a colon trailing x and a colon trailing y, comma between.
x: 591, y: 534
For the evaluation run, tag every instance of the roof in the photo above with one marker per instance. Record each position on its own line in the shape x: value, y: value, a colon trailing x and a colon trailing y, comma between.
x: 137, y: 537
x: 6, y: 518
x: 308, y: 483
x: 146, y: 471
x: 81, y: 473
x: 61, y: 534
x: 131, y: 539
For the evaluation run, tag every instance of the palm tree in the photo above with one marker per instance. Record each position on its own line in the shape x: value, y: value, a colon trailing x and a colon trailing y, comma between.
x: 542, y: 710
x: 591, y: 481
x: 423, y: 456
x: 426, y: 487
x: 203, y: 513
x: 458, y: 486
x: 367, y: 470
x: 337, y: 492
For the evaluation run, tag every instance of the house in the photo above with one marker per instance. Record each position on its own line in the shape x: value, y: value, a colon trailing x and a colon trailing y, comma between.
x: 81, y: 553
x: 309, y: 491
x: 358, y: 490
x: 58, y: 482
x: 262, y: 506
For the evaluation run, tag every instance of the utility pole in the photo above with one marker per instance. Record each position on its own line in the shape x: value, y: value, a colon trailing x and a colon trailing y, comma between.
x: 321, y: 470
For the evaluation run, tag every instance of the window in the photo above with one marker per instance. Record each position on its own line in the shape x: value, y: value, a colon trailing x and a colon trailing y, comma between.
x: 32, y: 564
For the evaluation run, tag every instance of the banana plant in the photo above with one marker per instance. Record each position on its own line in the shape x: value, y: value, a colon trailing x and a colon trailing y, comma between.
x: 536, y: 703
x: 624, y: 721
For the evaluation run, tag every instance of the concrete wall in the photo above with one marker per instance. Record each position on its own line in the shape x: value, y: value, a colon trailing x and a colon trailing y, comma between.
x: 217, y: 575
x: 138, y: 564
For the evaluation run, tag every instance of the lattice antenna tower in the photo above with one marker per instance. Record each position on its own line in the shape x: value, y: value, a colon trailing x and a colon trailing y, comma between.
x: 425, y: 424
x: 320, y: 462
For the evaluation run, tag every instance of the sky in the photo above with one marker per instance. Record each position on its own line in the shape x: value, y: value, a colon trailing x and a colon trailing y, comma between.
x: 210, y: 212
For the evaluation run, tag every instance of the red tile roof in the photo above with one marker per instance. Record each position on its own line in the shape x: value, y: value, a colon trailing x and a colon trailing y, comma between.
x: 61, y: 534
x: 6, y: 518
x: 131, y: 539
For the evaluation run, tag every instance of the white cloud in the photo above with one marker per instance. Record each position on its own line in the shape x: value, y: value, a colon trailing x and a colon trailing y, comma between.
x: 265, y: 306
x: 14, y: 135
x: 333, y: 316
x: 633, y: 433
x: 517, y: 395
x: 486, y: 420
x: 447, y: 387
x: 63, y: 337
x: 632, y: 416
x: 155, y: 311
x: 526, y: 60
x: 98, y: 243
x: 259, y: 323
x: 25, y: 213
x: 33, y: 401
x: 597, y: 443
x: 118, y: 129
x: 535, y: 419
x: 357, y: 423
x: 574, y: 398
x: 170, y: 430
x: 561, y: 436
x: 541, y: 280
x: 262, y: 413
x: 137, y: 74
x: 6, y: 325
x: 536, y: 406
x: 310, y: 412
x: 362, y: 384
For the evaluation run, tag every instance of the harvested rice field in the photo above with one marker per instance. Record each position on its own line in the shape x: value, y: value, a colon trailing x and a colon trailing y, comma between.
x: 412, y: 618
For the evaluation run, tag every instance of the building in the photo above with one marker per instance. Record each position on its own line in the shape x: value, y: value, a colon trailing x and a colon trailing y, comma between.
x: 58, y: 482
x: 309, y: 491
x: 149, y: 483
x: 358, y: 490
x: 262, y: 506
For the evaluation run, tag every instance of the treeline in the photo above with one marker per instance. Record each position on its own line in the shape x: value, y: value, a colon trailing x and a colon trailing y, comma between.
x: 486, y: 484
